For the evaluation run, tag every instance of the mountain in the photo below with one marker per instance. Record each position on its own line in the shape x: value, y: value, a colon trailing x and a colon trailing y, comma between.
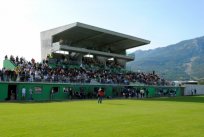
x: 181, y: 61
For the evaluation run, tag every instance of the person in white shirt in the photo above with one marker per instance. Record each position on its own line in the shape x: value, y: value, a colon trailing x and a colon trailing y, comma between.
x: 23, y: 93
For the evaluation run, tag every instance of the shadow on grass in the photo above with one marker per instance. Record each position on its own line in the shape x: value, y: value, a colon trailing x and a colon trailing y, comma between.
x: 32, y: 101
x: 193, y: 99
x: 44, y: 101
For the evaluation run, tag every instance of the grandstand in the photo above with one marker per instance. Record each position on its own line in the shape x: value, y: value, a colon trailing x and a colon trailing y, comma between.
x: 83, y: 58
x: 79, y: 39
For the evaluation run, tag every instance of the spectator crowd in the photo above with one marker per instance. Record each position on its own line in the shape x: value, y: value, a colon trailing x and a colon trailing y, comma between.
x: 32, y: 71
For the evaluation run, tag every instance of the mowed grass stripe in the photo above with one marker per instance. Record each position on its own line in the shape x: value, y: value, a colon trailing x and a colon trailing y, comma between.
x: 178, y: 117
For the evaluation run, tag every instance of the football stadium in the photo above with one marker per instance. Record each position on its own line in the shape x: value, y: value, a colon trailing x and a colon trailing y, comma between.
x: 82, y: 88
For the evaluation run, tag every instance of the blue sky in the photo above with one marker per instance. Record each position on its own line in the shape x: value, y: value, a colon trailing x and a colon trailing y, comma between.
x: 163, y: 22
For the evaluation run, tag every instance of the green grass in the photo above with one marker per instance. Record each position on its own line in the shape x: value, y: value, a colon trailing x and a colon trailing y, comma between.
x: 161, y: 117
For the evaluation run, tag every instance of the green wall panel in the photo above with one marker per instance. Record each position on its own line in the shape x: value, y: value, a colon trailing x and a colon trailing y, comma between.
x: 3, y: 91
x: 42, y: 91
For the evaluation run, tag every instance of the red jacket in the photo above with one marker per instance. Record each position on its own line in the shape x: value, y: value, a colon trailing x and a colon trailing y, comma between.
x: 100, y: 93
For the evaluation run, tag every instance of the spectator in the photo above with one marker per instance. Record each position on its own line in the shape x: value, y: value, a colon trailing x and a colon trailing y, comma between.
x: 23, y: 93
x: 31, y: 93
x: 195, y: 91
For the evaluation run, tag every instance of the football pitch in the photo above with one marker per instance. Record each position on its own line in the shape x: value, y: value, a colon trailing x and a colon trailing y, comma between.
x: 159, y: 117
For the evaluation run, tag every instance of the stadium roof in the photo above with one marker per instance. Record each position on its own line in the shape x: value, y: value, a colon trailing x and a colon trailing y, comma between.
x: 87, y: 36
x: 83, y: 38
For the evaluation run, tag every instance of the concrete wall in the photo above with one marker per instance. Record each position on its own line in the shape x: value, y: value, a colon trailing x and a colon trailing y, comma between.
x: 46, y: 39
x: 122, y: 62
x: 189, y: 88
